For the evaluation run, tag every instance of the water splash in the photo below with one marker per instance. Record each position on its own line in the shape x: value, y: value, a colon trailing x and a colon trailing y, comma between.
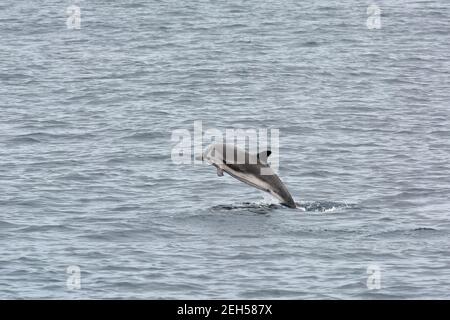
x: 304, y: 206
x: 324, y: 206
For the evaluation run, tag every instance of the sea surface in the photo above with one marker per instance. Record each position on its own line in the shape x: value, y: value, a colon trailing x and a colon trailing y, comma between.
x: 87, y: 182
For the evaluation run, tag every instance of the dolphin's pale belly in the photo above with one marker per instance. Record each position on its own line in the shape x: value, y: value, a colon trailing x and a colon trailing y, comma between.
x: 247, y: 178
x: 251, y: 180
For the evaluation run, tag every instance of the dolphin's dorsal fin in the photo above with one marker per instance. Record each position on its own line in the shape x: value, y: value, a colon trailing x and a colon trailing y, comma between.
x: 263, y: 155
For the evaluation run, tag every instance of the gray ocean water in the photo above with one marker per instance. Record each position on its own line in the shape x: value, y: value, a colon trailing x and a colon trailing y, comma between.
x: 87, y: 180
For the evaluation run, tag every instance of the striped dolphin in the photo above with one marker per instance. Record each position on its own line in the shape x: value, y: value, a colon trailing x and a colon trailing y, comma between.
x: 251, y: 169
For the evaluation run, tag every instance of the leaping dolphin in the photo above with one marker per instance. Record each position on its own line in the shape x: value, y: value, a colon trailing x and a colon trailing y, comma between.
x: 251, y: 169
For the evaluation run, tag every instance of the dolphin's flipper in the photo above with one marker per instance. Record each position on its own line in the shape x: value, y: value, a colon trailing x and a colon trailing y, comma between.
x: 219, y: 172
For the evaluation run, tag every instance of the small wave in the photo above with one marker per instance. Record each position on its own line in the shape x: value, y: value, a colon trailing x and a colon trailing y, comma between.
x: 133, y: 5
x: 123, y: 231
x: 424, y: 229
x: 311, y: 44
x: 5, y: 225
x: 405, y: 232
x: 39, y: 137
x: 50, y: 123
x: 43, y: 228
x: 76, y: 176
x: 142, y: 136
x: 326, y: 8
x: 23, y: 140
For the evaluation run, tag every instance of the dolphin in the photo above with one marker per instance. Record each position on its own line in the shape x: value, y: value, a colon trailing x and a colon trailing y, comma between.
x: 251, y: 169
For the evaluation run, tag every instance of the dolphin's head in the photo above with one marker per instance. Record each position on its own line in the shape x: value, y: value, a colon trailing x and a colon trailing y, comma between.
x: 216, y: 154
x: 206, y: 154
